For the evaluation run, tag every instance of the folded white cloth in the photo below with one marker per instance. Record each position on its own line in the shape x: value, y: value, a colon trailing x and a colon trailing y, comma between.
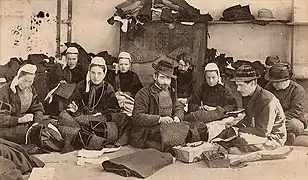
x: 94, y: 153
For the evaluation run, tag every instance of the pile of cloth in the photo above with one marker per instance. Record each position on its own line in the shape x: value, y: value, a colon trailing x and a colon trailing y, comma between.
x: 44, y: 65
x: 132, y: 14
x: 15, y: 161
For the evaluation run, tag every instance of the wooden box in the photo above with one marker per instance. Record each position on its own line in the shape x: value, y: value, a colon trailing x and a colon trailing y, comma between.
x: 192, y: 151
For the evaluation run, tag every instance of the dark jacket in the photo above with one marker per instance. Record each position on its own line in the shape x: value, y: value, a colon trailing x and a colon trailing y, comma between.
x: 185, y: 83
x: 146, y: 113
x: 69, y: 75
x: 219, y: 95
x: 292, y: 100
x: 10, y: 107
x: 126, y: 82
x: 264, y: 113
x: 108, y: 102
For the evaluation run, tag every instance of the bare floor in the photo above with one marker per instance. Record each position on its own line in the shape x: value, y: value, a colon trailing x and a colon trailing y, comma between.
x: 294, y: 167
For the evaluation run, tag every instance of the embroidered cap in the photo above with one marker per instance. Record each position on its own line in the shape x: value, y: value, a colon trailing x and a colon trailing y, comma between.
x: 29, y: 68
x: 213, y: 67
x: 97, y: 61
x: 72, y: 50
x: 124, y: 55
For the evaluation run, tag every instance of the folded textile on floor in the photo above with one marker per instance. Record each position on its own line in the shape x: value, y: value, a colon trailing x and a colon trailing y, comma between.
x: 94, y: 153
x: 81, y: 161
x: 279, y: 153
x: 15, y: 153
x: 8, y: 170
x: 140, y: 164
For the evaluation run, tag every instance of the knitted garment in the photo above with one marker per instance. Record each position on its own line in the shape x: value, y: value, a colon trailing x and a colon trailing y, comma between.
x: 165, y: 103
x: 26, y: 99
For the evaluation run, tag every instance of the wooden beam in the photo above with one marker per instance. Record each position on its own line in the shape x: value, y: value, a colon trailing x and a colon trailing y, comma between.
x: 69, y: 20
x: 58, y: 36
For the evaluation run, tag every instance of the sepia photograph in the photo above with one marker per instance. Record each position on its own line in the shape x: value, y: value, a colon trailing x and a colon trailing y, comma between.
x: 153, y: 89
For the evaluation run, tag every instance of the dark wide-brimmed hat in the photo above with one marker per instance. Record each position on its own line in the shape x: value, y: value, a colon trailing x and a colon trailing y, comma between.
x: 278, y: 72
x: 245, y: 73
x: 165, y: 68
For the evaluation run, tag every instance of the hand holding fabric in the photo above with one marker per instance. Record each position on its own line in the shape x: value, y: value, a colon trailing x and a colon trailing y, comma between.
x: 72, y: 107
x: 26, y: 118
x: 166, y: 120
x: 207, y: 108
x: 176, y: 119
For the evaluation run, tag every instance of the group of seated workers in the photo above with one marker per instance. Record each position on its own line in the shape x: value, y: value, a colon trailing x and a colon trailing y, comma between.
x: 113, y: 108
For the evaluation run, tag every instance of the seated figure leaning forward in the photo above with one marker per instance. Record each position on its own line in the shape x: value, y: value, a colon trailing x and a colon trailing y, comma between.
x: 292, y: 97
x: 92, y: 119
x: 157, y: 115
x: 211, y: 102
x: 125, y: 82
x: 19, y: 106
x: 263, y: 126
x: 62, y: 82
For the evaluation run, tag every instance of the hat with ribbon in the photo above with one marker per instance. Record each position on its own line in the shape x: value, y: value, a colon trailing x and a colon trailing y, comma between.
x: 29, y: 68
x: 245, y: 73
x: 278, y: 72
x: 95, y: 61
x: 165, y: 68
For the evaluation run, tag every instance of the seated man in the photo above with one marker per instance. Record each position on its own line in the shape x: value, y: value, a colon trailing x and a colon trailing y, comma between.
x: 92, y: 119
x: 263, y: 126
x: 213, y: 99
x: 125, y: 82
x: 62, y: 80
x: 155, y: 107
x: 292, y: 98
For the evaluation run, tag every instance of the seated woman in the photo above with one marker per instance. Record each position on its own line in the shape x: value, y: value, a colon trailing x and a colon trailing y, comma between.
x: 92, y: 119
x: 19, y: 105
x: 63, y: 80
x: 212, y: 100
x: 125, y: 82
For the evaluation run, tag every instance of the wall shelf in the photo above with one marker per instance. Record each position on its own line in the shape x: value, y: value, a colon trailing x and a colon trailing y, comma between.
x: 298, y: 23
x: 283, y: 22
